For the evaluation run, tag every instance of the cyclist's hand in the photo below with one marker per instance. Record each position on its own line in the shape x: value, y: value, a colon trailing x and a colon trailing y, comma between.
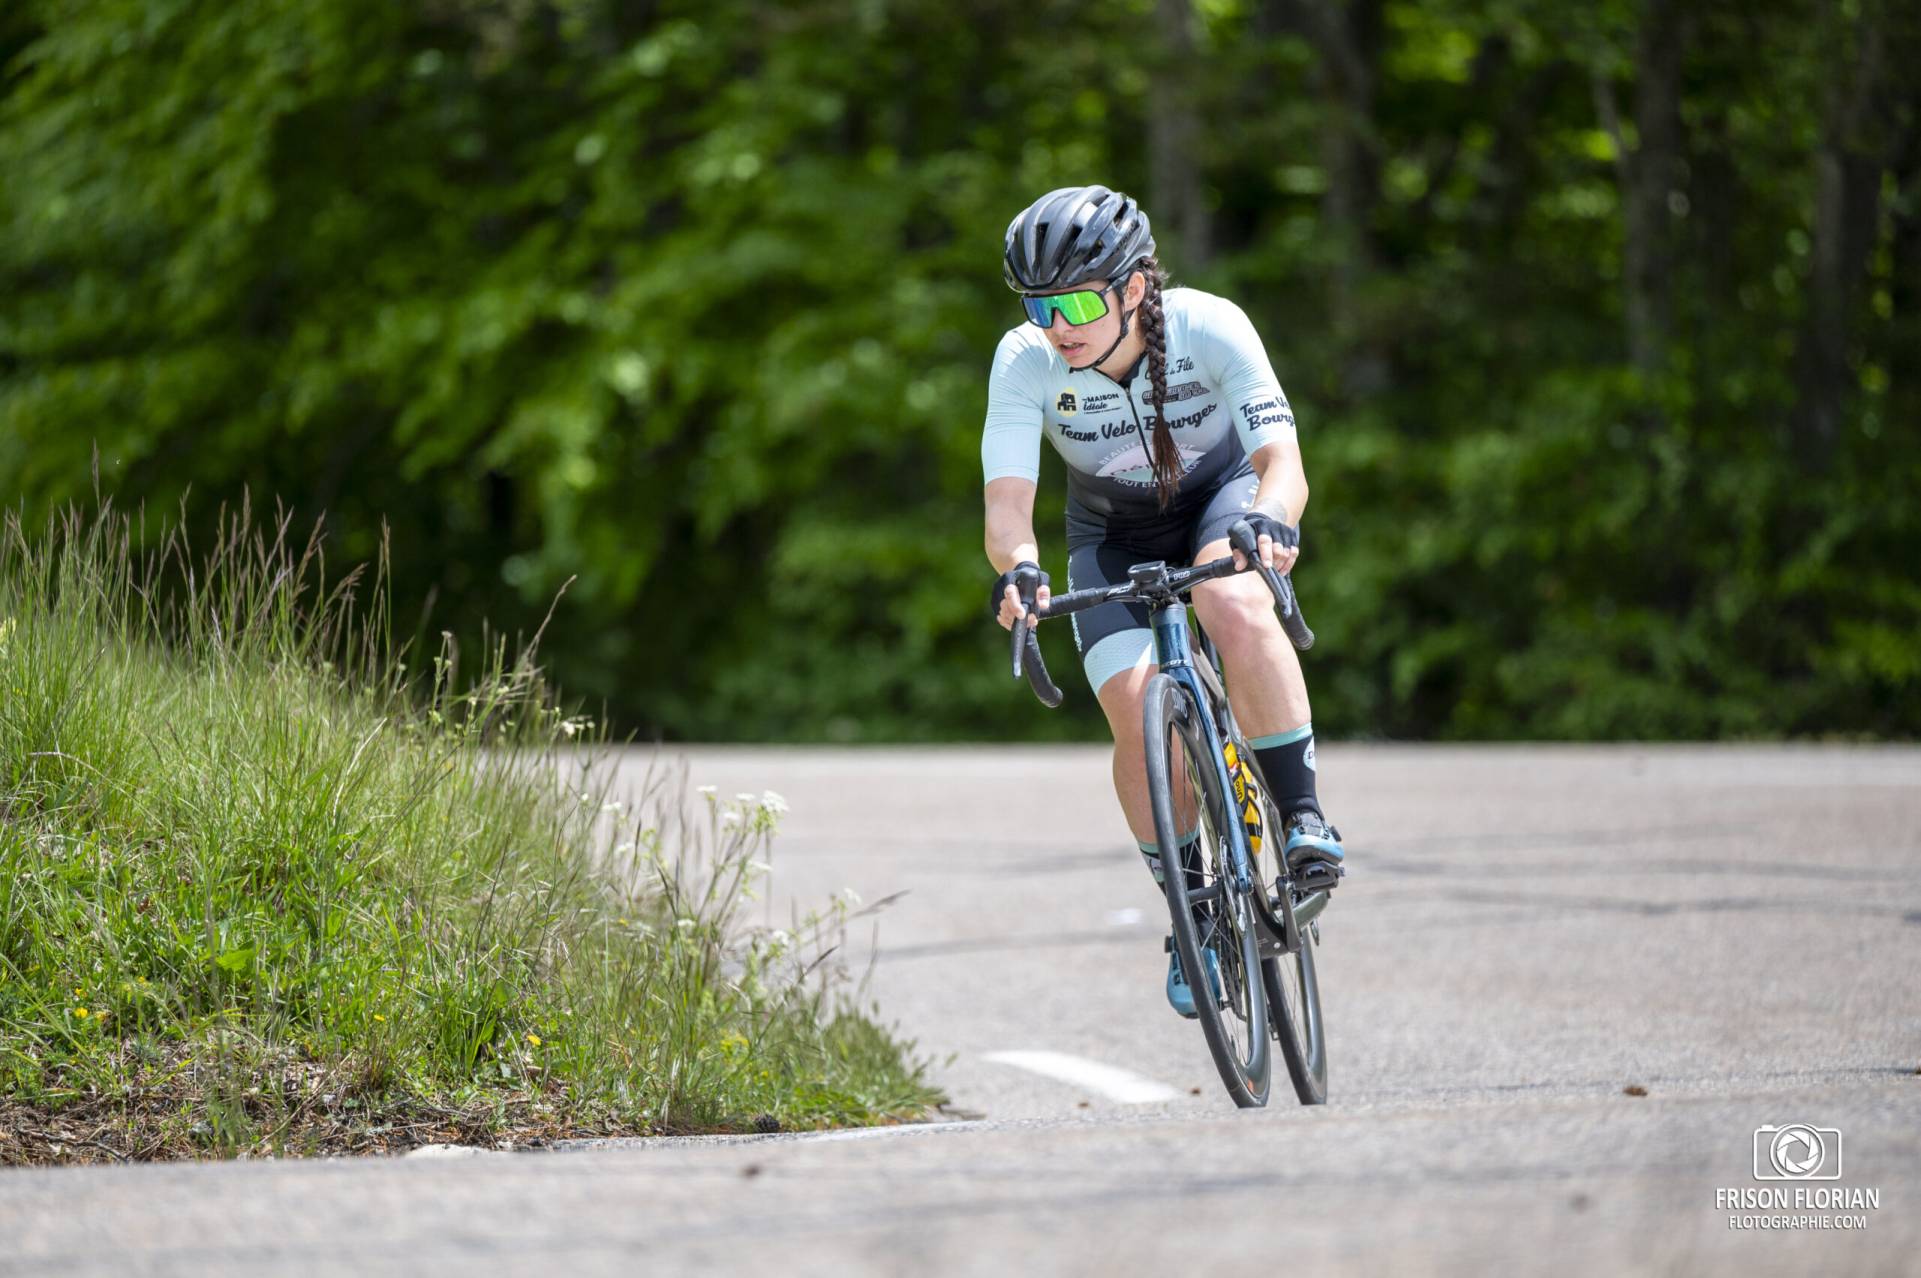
x: 1010, y: 601
x: 1278, y: 544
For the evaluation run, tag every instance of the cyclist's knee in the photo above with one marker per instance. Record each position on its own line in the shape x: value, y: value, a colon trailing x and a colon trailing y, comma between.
x: 1120, y: 697
x: 1236, y: 613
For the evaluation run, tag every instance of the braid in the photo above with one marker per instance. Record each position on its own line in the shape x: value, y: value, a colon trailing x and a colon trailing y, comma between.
x: 1164, y: 457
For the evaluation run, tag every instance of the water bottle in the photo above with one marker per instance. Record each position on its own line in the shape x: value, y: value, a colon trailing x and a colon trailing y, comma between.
x: 1247, y: 797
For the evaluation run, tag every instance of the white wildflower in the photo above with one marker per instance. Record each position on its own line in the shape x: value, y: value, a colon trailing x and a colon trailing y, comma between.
x: 771, y: 802
x: 707, y: 790
x: 745, y: 798
x: 853, y: 897
x: 615, y: 806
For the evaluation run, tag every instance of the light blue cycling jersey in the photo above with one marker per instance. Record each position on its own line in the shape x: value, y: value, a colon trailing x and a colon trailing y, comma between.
x: 1223, y: 403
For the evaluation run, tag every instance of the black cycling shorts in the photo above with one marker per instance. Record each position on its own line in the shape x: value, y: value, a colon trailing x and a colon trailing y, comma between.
x: 1117, y: 637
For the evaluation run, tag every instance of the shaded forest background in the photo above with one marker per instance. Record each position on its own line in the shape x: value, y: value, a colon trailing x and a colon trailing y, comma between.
x: 1602, y: 322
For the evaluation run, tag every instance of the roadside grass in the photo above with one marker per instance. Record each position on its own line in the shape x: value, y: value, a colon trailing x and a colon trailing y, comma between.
x: 264, y: 892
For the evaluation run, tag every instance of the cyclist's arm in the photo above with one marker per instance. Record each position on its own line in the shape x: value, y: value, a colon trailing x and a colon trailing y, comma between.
x: 1010, y: 523
x: 1283, y: 490
x: 1011, y: 451
x: 1010, y: 539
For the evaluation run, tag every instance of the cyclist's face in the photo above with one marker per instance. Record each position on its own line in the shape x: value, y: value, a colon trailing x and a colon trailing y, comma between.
x: 1081, y: 344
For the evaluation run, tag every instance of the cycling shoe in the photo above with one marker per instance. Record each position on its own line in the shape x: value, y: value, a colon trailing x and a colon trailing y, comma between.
x: 1179, y: 994
x: 1313, y: 853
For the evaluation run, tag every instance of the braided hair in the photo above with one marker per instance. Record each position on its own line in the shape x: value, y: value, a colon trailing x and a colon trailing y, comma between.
x: 1163, y: 457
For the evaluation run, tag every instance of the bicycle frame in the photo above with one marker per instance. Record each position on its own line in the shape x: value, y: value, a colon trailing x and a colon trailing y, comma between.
x: 1176, y: 657
x: 1163, y: 591
x: 1201, y: 679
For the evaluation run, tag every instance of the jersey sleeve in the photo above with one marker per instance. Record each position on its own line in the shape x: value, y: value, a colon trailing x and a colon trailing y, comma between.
x: 1011, y: 438
x: 1234, y: 358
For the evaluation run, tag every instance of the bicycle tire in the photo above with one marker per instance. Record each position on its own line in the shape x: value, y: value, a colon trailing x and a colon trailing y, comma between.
x: 1294, y: 1011
x: 1171, y: 719
x: 1291, y: 980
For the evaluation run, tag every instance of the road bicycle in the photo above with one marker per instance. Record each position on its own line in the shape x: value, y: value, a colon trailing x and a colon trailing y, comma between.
x: 1239, y: 900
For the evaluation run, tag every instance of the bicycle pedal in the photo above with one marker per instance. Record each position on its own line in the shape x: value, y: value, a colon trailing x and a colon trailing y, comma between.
x: 1318, y: 876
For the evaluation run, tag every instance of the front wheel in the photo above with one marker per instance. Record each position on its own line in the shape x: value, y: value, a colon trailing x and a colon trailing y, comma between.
x: 1207, y: 911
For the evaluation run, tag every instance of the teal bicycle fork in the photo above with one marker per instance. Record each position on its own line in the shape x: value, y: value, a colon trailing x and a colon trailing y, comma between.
x: 1176, y: 657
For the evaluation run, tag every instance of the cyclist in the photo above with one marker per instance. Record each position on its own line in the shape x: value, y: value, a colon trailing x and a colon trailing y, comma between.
x: 1164, y: 407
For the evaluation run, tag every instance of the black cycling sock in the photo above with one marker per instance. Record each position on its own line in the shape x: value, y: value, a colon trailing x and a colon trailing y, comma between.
x: 1287, y: 761
x: 1190, y: 861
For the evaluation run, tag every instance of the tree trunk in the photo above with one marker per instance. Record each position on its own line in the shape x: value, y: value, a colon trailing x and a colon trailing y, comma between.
x: 1652, y: 177
x: 1346, y: 34
x: 1174, y: 136
x: 1901, y: 344
x: 1855, y: 150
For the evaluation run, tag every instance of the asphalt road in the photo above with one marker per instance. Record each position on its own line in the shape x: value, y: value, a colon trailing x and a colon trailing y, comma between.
x: 1526, y: 933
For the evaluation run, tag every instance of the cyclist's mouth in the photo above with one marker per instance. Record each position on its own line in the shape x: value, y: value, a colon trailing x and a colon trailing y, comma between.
x: 1071, y: 349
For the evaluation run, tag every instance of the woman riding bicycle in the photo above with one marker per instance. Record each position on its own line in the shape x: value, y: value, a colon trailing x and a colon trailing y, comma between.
x: 1222, y: 448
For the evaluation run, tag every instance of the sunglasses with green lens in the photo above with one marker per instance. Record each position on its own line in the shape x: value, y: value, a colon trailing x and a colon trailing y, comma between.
x: 1081, y: 307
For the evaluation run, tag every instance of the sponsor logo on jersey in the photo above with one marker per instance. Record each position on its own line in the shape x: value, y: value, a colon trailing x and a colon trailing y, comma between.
x: 1130, y: 465
x: 1100, y: 403
x: 1268, y: 412
x: 1185, y: 364
x: 1067, y: 405
x: 1185, y: 390
x: 1191, y: 419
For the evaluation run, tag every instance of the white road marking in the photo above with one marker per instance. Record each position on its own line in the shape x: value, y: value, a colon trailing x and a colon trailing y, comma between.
x: 875, y: 1133
x: 1110, y: 1081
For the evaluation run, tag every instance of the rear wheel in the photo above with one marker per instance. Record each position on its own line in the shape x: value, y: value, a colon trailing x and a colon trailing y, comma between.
x: 1294, y: 1005
x: 1293, y: 990
x: 1207, y: 913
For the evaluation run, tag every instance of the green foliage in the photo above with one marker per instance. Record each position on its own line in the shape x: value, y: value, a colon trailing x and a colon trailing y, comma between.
x: 690, y: 306
x: 232, y: 842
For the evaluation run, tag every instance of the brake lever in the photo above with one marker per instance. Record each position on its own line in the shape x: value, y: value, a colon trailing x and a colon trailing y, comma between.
x: 1241, y: 536
x: 1027, y: 583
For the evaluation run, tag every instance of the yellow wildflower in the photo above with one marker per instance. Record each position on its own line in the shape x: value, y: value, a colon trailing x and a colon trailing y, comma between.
x: 379, y: 1017
x: 81, y: 1012
x: 533, y: 1040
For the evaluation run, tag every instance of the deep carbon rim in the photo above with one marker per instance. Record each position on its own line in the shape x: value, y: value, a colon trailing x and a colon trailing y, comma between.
x: 1237, y: 1034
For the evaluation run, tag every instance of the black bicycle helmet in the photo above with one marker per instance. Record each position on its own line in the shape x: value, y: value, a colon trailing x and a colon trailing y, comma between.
x: 1076, y: 235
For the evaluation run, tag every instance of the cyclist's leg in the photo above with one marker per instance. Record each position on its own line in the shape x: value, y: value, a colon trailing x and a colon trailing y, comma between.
x: 1264, y: 677
x: 1117, y: 655
x: 1264, y: 680
x: 1117, y: 649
